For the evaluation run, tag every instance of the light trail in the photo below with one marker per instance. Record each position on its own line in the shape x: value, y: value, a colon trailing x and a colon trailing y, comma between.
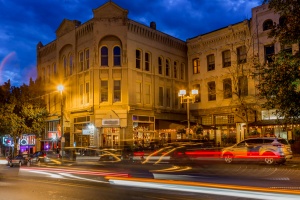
x: 209, y: 188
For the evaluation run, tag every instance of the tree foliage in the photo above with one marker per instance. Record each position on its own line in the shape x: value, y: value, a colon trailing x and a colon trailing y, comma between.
x: 279, y: 80
x: 287, y: 32
x: 22, y: 110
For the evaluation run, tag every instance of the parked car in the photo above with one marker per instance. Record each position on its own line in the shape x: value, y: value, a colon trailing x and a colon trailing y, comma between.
x: 268, y: 149
x: 37, y: 158
x: 19, y: 160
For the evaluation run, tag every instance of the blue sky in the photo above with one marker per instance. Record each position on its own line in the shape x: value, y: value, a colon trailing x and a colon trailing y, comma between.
x: 26, y: 22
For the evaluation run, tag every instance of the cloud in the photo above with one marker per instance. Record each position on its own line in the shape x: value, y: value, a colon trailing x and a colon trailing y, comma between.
x: 25, y: 23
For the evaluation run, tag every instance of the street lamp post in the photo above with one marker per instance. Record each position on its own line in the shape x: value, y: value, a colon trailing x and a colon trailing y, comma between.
x: 184, y: 98
x: 60, y: 89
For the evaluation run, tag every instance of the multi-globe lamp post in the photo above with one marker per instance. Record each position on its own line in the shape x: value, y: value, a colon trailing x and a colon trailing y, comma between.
x: 60, y: 88
x: 184, y: 98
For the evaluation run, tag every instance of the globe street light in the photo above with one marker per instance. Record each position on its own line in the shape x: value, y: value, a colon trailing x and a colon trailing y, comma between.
x: 60, y: 88
x: 184, y: 98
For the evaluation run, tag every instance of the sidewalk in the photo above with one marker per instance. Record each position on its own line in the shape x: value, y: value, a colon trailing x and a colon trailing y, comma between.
x: 3, y: 161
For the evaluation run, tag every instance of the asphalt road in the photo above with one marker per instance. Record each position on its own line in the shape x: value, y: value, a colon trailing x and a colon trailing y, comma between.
x: 87, y: 180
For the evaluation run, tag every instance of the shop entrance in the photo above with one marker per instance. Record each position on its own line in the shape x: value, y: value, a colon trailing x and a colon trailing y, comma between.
x: 111, y: 137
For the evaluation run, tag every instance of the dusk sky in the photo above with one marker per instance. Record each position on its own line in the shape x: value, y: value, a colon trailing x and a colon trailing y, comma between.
x: 24, y: 23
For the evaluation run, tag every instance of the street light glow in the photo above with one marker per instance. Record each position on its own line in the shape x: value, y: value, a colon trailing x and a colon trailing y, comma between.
x: 60, y: 88
x: 182, y: 92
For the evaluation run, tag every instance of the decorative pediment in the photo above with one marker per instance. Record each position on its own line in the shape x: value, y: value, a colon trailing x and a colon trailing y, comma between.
x: 110, y: 10
x: 67, y: 26
x: 111, y: 115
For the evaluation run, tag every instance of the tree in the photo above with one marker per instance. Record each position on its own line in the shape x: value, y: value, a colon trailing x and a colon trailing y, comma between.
x: 279, y: 79
x: 288, y: 31
x: 23, y: 112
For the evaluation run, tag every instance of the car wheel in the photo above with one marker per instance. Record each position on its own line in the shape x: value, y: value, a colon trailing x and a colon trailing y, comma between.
x: 228, y: 158
x: 269, y: 160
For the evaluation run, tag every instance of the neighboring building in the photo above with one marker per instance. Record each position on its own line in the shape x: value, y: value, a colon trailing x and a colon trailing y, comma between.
x: 122, y: 80
x: 220, y: 64
x: 264, y: 48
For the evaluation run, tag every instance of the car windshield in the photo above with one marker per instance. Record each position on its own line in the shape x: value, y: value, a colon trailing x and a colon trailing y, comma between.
x: 283, y: 141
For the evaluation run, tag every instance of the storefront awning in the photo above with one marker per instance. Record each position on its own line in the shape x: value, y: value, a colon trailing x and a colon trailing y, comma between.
x: 164, y: 124
x: 271, y: 122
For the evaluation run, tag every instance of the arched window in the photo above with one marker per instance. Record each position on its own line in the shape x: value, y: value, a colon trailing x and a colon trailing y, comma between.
x: 117, y: 56
x: 104, y: 56
x: 282, y: 21
x: 267, y: 24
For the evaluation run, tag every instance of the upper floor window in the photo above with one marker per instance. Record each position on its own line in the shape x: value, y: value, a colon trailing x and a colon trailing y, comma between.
x: 182, y: 71
x: 54, y: 69
x: 147, y: 62
x: 81, y: 61
x: 175, y: 69
x: 65, y: 66
x: 138, y: 92
x: 282, y: 21
x: 138, y: 59
x: 160, y: 65
x: 226, y: 58
x: 269, y: 53
x: 81, y: 93
x: 268, y: 24
x: 241, y: 54
x: 117, y: 56
x: 48, y: 73
x: 71, y: 63
x: 161, y: 96
x: 227, y: 88
x: 197, y: 97
x: 147, y: 93
x: 168, y: 97
x: 167, y: 67
x: 212, y: 91
x: 243, y: 86
x: 104, y: 91
x: 117, y: 90
x: 211, y: 62
x: 87, y: 92
x: 286, y: 47
x: 104, y: 56
x: 87, y: 59
x: 196, y: 66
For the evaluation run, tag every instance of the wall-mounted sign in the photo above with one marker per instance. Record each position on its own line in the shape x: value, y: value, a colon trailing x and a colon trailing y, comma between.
x: 113, y: 122
x: 7, y: 141
x: 23, y: 142
x: 87, y: 131
x: 54, y: 135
